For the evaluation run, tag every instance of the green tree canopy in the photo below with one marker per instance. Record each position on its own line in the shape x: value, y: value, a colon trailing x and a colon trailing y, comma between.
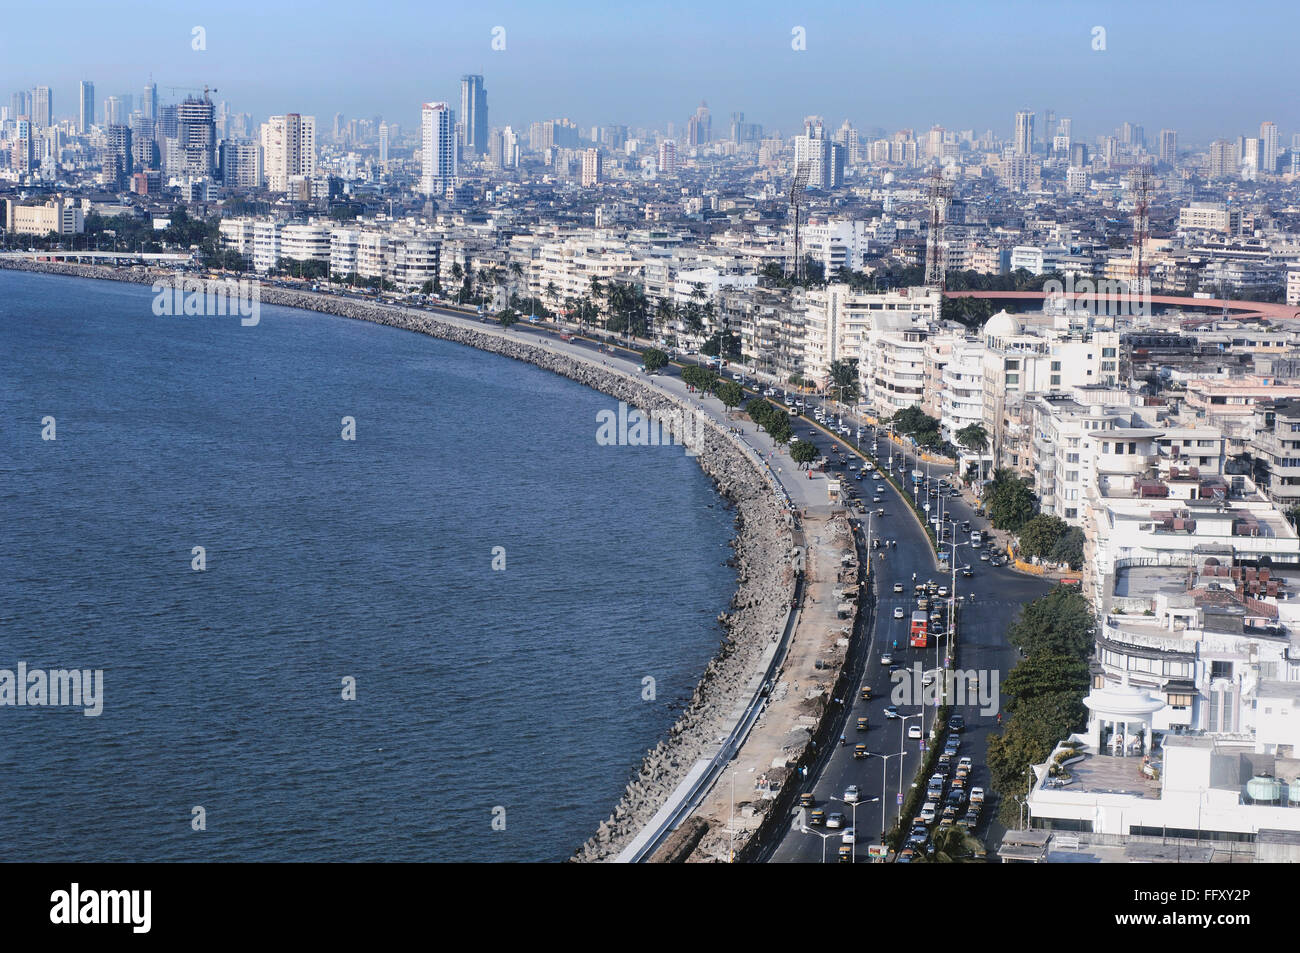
x: 803, y: 452
x: 1039, y: 536
x: 654, y: 359
x: 973, y: 437
x: 731, y: 394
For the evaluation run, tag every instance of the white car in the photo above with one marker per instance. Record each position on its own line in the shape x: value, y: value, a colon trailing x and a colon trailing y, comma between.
x: 834, y: 821
x: 914, y: 732
x: 966, y: 763
x: 851, y: 794
x: 927, y: 812
x: 898, y: 612
x: 898, y: 587
x: 848, y: 836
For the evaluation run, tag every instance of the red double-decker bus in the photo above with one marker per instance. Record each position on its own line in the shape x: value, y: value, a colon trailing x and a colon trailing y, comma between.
x: 920, y: 634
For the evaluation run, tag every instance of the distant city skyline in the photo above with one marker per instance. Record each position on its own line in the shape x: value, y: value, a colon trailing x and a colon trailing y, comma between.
x: 960, y: 66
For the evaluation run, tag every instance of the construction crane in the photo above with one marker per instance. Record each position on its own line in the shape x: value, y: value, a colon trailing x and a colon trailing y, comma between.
x: 191, y: 89
x: 797, y: 190
x: 935, y: 259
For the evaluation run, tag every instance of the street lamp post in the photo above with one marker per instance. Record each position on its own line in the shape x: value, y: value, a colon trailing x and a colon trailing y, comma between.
x: 853, y: 807
x: 884, y: 771
x: 902, y: 743
x: 825, y: 837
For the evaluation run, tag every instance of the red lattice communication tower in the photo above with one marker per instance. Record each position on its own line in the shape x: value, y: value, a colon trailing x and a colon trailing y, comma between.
x: 935, y: 258
x: 1141, y: 184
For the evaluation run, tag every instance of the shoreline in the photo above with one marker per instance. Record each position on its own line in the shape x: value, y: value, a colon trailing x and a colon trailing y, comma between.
x: 764, y: 581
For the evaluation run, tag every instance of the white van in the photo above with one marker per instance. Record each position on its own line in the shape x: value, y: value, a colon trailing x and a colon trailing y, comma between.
x: 976, y: 539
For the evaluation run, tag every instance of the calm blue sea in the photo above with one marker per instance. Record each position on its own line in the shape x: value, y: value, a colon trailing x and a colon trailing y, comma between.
x: 325, y: 560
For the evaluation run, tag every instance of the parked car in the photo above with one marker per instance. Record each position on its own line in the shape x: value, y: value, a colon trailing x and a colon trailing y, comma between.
x: 956, y: 723
x: 928, y: 811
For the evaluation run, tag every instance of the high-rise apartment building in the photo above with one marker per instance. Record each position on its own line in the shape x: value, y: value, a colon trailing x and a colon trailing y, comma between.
x: 288, y: 149
x: 591, y: 168
x: 668, y: 157
x: 503, y: 149
x: 42, y: 108
x: 1168, y: 146
x: 144, y: 150
x: 1024, y: 140
x: 1268, y: 135
x: 1223, y: 159
x: 86, y: 103
x: 23, y: 153
x: 114, y: 114
x: 699, y: 128
x: 196, y: 139
x: 21, y: 104
x: 149, y: 101
x: 473, y: 114
x: 241, y: 164
x: 438, y: 148
x: 117, y: 158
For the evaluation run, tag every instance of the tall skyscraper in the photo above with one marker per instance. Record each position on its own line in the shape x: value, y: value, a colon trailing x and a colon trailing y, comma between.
x: 699, y: 128
x: 167, y: 125
x: 1024, y: 141
x: 473, y: 114
x: 196, y: 138
x: 144, y: 151
x: 23, y: 152
x: 437, y: 148
x: 117, y: 156
x: 86, y: 115
x: 383, y: 142
x: 114, y: 114
x: 288, y: 149
x: 591, y: 168
x: 1269, y: 134
x: 149, y: 101
x: 1223, y: 159
x: 241, y: 164
x: 668, y: 157
x: 1168, y: 146
x: 42, y: 107
x: 21, y: 104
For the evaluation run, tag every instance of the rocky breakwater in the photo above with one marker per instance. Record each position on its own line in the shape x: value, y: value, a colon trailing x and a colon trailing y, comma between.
x: 765, y: 581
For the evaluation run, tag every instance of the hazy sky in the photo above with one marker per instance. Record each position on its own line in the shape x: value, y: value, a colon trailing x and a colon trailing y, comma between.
x: 1207, y: 69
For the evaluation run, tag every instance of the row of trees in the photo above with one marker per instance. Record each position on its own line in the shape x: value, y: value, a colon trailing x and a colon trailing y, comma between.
x: 922, y: 428
x: 1012, y: 506
x: 1044, y: 691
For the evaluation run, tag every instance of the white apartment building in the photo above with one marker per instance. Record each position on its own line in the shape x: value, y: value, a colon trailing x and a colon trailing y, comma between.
x: 438, y: 149
x: 288, y: 149
x: 266, y: 246
x: 838, y: 322
x: 305, y: 242
x: 837, y: 244
x: 893, y: 359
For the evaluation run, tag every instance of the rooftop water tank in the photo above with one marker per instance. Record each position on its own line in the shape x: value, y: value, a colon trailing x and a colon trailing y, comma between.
x: 1264, y: 789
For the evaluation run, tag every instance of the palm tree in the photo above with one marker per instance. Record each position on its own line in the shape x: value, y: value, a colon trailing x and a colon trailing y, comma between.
x: 956, y: 845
